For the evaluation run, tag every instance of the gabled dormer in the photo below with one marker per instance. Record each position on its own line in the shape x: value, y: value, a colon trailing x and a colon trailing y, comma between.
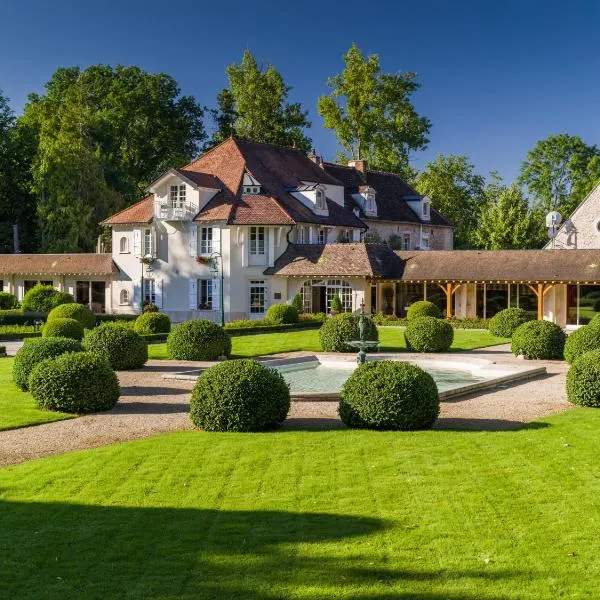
x: 250, y: 186
x: 366, y: 200
x: 312, y: 195
x: 420, y: 205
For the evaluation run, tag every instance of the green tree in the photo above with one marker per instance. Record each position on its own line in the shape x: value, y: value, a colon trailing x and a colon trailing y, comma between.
x: 372, y: 114
x: 456, y: 191
x: 256, y: 107
x: 560, y: 171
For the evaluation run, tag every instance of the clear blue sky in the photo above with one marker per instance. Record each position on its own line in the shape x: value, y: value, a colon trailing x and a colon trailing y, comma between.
x: 496, y: 76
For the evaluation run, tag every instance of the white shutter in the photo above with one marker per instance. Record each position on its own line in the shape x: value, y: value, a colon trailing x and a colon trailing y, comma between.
x: 356, y: 235
x: 154, y: 250
x: 216, y: 239
x: 193, y: 239
x: 193, y: 294
x: 158, y: 292
x: 271, y: 248
x: 137, y: 295
x: 216, y: 293
x: 245, y: 244
x: 137, y: 242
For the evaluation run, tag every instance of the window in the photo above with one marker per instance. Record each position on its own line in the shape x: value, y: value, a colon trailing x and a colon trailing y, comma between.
x: 123, y: 245
x: 406, y: 241
x: 124, y: 297
x: 317, y: 294
x: 370, y: 203
x: 322, y: 236
x: 28, y: 284
x: 253, y: 190
x: 426, y: 209
x: 303, y: 235
x: 149, y: 292
x: 206, y: 240
x: 257, y: 240
x: 345, y: 236
x: 205, y: 294
x: 320, y: 197
x: 425, y: 241
x: 257, y: 297
x: 341, y: 288
x: 147, y: 242
x: 177, y: 196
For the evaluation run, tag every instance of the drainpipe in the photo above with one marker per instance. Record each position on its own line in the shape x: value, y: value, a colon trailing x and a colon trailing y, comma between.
x: 287, y: 235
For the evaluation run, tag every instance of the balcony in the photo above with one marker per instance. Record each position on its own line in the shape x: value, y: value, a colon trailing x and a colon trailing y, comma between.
x: 185, y: 212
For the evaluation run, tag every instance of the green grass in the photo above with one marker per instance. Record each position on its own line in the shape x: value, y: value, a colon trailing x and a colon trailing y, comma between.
x: 433, y: 515
x: 391, y: 339
x: 17, y: 408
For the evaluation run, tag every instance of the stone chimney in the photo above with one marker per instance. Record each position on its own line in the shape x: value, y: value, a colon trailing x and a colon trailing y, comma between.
x: 359, y: 165
x: 318, y: 160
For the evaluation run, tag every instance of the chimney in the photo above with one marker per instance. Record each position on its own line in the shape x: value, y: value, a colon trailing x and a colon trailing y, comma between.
x: 318, y: 160
x: 359, y: 165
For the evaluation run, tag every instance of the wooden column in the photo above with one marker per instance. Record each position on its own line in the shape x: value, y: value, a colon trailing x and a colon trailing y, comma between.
x: 540, y: 306
x: 448, y: 300
x: 395, y: 310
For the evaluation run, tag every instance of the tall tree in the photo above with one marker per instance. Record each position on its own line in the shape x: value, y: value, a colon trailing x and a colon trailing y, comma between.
x: 256, y: 107
x: 372, y: 113
x: 456, y: 191
x: 560, y: 171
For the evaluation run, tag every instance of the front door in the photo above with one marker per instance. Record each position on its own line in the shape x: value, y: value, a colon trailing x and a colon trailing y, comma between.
x: 257, y: 299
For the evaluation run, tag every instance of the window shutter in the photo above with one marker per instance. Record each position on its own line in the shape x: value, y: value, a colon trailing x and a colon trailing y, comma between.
x: 158, y: 292
x: 153, y: 250
x: 193, y: 239
x: 245, y: 244
x: 271, y: 247
x: 137, y: 242
x: 193, y: 294
x: 216, y: 294
x: 137, y: 294
x: 216, y: 239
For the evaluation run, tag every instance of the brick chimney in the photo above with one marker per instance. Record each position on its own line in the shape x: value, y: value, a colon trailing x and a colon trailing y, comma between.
x: 359, y: 165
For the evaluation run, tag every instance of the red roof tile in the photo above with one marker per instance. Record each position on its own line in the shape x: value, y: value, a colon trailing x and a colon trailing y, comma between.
x: 57, y: 264
x: 140, y: 212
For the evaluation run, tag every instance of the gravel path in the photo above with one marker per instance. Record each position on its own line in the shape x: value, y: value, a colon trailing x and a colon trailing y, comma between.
x: 150, y: 405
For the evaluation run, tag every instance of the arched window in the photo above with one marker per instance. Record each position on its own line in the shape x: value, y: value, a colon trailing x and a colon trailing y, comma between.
x: 124, y: 297
x: 123, y: 245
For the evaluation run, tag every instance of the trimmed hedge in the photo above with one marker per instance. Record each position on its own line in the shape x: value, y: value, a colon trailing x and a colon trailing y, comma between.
x: 538, y: 339
x: 239, y: 395
x: 122, y: 348
x: 423, y: 308
x: 198, y: 340
x: 279, y: 314
x: 35, y: 351
x: 389, y: 395
x: 76, y: 311
x: 43, y: 298
x: 108, y: 318
x: 583, y: 380
x: 151, y: 323
x: 428, y: 334
x: 17, y: 317
x: 75, y: 383
x: 338, y: 330
x: 2, y: 350
x: 69, y: 328
x: 8, y: 301
x: 504, y: 323
x: 580, y: 341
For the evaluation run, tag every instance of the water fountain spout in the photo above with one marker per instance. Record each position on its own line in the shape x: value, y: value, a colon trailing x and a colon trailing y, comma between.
x: 363, y: 344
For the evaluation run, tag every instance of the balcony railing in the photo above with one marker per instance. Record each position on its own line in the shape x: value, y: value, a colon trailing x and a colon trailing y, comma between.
x: 176, y: 213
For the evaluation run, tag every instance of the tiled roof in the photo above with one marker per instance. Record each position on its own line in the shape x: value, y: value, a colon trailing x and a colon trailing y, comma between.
x: 140, y: 212
x: 201, y: 179
x: 57, y: 264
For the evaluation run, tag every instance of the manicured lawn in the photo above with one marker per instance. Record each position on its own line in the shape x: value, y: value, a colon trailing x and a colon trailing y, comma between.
x: 17, y: 408
x: 391, y: 339
x: 311, y: 514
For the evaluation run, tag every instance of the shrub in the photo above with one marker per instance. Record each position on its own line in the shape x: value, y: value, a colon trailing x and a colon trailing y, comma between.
x: 538, y: 339
x: 2, y: 350
x: 122, y: 348
x: 336, y: 305
x: 79, y: 312
x: 239, y: 395
x: 68, y: 328
x: 43, y: 298
x: 594, y: 321
x: 343, y: 328
x: 74, y: 383
x: 582, y: 340
x: 35, y: 351
x: 278, y: 314
x: 152, y: 322
x: 8, y: 301
x: 389, y: 395
x: 583, y: 380
x: 423, y: 308
x: 428, y: 334
x: 198, y: 340
x: 298, y: 304
x: 504, y: 323
x: 597, y: 305
x: 150, y: 308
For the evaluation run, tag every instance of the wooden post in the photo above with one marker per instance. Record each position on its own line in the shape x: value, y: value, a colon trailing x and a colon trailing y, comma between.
x: 448, y: 301
x: 395, y: 311
x: 540, y: 297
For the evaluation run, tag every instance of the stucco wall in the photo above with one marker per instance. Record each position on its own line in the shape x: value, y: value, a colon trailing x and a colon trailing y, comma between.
x: 440, y: 238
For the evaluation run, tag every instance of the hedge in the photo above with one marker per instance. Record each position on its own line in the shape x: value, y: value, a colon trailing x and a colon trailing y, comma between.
x: 17, y: 317
x: 35, y: 351
x: 278, y: 314
x: 76, y: 311
x: 389, y: 395
x: 428, y: 334
x: 198, y: 340
x: 75, y: 383
x: 2, y: 350
x: 504, y: 323
x: 583, y: 380
x: 43, y: 298
x: 338, y: 330
x: 239, y: 395
x: 8, y: 301
x: 538, y: 340
x: 122, y: 348
x: 580, y: 341
x: 152, y: 322
x: 423, y: 308
x: 69, y: 328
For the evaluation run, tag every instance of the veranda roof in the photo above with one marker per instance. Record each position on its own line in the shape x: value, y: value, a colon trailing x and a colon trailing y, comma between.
x: 57, y: 264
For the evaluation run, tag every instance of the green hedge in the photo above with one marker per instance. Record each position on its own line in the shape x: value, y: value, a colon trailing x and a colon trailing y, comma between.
x: 43, y: 298
x: 279, y: 314
x: 17, y: 317
x: 107, y: 318
x: 8, y: 301
x: 389, y: 395
x: 580, y: 341
x: 35, y: 351
x: 428, y: 334
x: 583, y: 380
x: 391, y: 320
x: 198, y: 340
x: 538, y: 340
x: 239, y: 395
x: 423, y: 308
x: 122, y: 348
x: 75, y: 383
x: 69, y: 328
x: 152, y: 322
x: 338, y: 330
x: 76, y: 311
x: 2, y: 350
x: 504, y: 323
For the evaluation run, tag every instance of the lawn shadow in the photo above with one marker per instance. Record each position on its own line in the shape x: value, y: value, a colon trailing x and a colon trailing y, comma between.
x: 151, y: 408
x: 473, y: 424
x: 149, y: 391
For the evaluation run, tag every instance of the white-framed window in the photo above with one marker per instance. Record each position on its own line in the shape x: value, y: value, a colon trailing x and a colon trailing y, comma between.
x: 205, y: 294
x: 149, y: 295
x: 426, y: 209
x: 406, y: 241
x: 257, y: 240
x: 252, y: 190
x: 370, y: 203
x: 320, y: 198
x: 206, y: 240
x: 177, y: 196
x: 322, y: 236
x: 317, y: 294
x: 257, y: 292
x: 345, y: 235
x: 124, y: 245
x: 124, y: 297
x: 303, y: 235
x: 425, y: 241
x: 147, y: 248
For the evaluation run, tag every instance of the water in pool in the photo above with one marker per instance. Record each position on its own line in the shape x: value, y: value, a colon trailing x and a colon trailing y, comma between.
x: 321, y: 378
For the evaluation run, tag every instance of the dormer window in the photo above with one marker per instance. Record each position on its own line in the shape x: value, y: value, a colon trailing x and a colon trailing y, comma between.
x: 320, y: 198
x: 370, y: 203
x: 426, y: 209
x: 177, y: 196
x: 250, y: 186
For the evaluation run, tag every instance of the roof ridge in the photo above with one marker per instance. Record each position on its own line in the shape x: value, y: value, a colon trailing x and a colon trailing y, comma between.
x: 231, y: 138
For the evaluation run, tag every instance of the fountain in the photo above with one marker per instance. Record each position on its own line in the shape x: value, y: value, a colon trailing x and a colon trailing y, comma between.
x: 363, y: 344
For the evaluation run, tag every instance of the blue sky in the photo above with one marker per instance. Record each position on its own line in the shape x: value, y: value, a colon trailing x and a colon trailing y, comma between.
x: 496, y: 76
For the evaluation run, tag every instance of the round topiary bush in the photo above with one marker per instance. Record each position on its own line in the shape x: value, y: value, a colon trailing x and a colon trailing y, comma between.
x: 423, y: 308
x: 68, y: 328
x: 428, y: 334
x: 34, y: 351
x: 74, y: 383
x: 43, y: 298
x: 122, y: 348
x: 389, y: 395
x: 239, y: 395
x: 338, y: 330
x: 76, y: 311
x: 582, y: 340
x: 152, y: 322
x: 594, y: 321
x: 8, y: 301
x: 504, y: 323
x: 538, y: 339
x: 583, y: 380
x: 198, y: 340
x: 279, y: 314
